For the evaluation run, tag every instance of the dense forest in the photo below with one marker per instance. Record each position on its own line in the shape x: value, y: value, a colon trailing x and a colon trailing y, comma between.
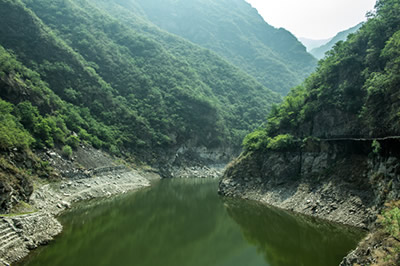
x: 234, y: 30
x: 72, y: 71
x: 353, y: 93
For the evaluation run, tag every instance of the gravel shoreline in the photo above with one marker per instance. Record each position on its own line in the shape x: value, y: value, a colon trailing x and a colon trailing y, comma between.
x: 337, y: 203
x: 21, y: 233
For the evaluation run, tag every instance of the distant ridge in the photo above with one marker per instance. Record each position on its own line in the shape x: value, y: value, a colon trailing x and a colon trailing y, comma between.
x: 313, y: 43
x: 235, y: 30
x: 319, y: 52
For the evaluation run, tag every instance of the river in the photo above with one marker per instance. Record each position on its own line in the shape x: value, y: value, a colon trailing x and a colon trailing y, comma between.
x: 183, y: 222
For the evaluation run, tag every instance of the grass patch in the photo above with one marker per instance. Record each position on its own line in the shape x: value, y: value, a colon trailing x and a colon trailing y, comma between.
x: 390, y: 221
x: 20, y: 209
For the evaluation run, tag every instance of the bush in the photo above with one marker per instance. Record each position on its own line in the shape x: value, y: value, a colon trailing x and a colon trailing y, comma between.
x: 376, y: 147
x: 27, y: 114
x: 281, y: 142
x: 73, y: 141
x: 255, y: 140
x: 67, y: 151
x: 12, y: 133
x: 391, y: 221
x: 42, y: 133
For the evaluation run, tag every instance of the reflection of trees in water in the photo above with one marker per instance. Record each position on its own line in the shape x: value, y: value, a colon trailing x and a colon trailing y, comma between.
x: 287, y: 239
x: 183, y: 222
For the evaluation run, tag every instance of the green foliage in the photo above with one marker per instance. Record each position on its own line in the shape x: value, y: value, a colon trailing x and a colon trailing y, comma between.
x: 376, y: 147
x: 358, y: 79
x: 58, y: 128
x: 255, y: 140
x: 43, y: 129
x: 281, y: 143
x: 67, y: 151
x: 107, y: 74
x: 391, y: 221
x: 380, y: 112
x: 259, y: 140
x: 12, y: 133
x: 319, y: 52
x: 73, y: 141
x: 236, y: 32
x: 27, y: 114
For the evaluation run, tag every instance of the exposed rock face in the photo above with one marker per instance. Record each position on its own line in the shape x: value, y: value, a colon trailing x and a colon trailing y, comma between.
x: 328, y: 123
x: 14, y: 187
x: 204, y: 155
x: 343, y: 181
x: 334, y: 180
x: 214, y: 171
x: 334, y: 122
x: 5, y: 196
x: 190, y: 158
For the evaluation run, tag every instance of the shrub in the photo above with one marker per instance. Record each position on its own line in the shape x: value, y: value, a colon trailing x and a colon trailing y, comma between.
x: 12, y: 133
x: 73, y: 141
x: 391, y: 221
x: 281, y: 142
x: 255, y: 140
x: 67, y: 151
x: 376, y: 147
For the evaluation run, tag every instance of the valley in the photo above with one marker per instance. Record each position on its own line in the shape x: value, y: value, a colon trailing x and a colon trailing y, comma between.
x: 172, y: 102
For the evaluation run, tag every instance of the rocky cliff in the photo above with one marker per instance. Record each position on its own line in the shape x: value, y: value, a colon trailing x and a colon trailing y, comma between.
x: 339, y: 180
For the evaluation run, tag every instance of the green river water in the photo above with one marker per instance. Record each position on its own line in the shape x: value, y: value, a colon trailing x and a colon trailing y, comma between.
x: 183, y: 222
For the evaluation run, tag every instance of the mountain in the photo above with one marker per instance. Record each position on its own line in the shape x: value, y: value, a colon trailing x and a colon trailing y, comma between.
x: 311, y: 43
x: 331, y: 149
x: 71, y: 71
x: 234, y: 30
x: 319, y: 52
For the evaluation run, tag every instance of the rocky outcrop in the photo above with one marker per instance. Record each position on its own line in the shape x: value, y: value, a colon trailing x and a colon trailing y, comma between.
x: 202, y: 154
x: 341, y: 180
x: 212, y: 171
x: 15, y: 185
x: 22, y: 233
x: 191, y: 159
x: 11, y: 245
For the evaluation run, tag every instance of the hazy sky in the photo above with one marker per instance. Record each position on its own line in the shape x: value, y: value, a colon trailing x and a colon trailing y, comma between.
x: 314, y: 19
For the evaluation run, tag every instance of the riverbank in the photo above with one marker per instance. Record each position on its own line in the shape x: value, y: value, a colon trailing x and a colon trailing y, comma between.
x: 21, y: 233
x: 324, y: 201
x: 328, y: 201
x: 337, y: 181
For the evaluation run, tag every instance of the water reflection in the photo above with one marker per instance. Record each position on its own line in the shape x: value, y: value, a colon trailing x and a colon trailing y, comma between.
x: 176, y: 222
x: 287, y: 239
x: 183, y: 222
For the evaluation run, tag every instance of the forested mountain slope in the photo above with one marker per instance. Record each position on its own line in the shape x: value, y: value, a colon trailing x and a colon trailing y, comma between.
x: 118, y: 86
x: 234, y: 30
x: 320, y: 51
x: 355, y: 86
